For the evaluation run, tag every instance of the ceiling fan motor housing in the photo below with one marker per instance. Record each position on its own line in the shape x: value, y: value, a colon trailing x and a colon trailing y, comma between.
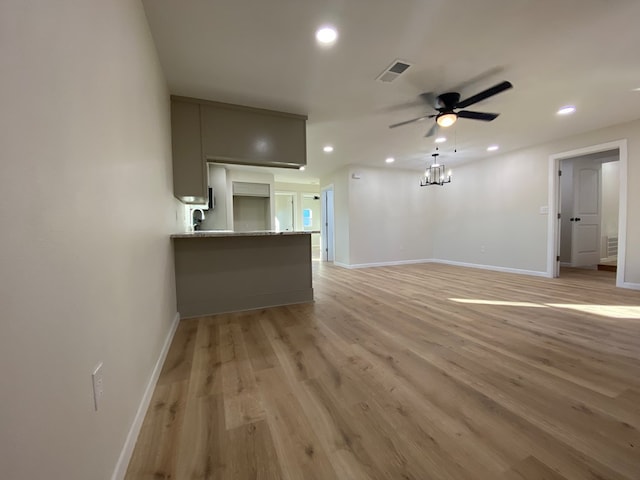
x: 448, y: 101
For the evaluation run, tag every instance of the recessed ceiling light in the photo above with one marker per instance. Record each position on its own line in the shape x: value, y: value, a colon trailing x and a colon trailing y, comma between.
x: 390, y: 160
x: 326, y: 36
x: 567, y: 110
x: 492, y: 148
x: 301, y: 168
x: 327, y: 149
x: 636, y: 89
x: 441, y: 139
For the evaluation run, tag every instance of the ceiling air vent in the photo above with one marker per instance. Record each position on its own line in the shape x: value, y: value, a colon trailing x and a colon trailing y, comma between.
x: 393, y: 71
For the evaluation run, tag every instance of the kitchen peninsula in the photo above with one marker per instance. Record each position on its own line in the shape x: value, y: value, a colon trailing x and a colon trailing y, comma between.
x: 224, y: 271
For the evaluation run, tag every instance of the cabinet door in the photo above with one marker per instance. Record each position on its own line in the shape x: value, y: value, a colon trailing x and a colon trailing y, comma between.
x: 247, y: 189
x: 189, y: 166
x: 253, y: 136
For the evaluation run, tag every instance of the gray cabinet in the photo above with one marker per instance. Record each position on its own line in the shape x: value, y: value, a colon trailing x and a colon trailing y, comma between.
x: 249, y: 189
x: 253, y: 136
x: 189, y: 166
x: 203, y: 130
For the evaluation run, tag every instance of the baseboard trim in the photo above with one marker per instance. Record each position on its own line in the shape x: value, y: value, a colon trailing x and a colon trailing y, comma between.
x: 494, y: 268
x: 446, y: 262
x: 383, y: 264
x: 129, y: 444
x: 631, y: 286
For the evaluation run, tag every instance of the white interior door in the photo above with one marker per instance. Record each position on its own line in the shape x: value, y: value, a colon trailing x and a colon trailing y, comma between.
x: 326, y: 228
x: 285, y: 212
x: 585, y: 236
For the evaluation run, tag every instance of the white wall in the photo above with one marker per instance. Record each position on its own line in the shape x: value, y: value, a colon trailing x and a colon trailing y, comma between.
x: 489, y: 215
x: 496, y: 203
x: 390, y: 216
x: 250, y: 214
x: 86, y: 262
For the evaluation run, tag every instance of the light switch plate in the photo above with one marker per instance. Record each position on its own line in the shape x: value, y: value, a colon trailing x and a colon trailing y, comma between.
x: 544, y: 210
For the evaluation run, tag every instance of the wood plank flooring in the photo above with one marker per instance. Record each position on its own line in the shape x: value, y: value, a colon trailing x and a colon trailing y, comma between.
x: 409, y: 372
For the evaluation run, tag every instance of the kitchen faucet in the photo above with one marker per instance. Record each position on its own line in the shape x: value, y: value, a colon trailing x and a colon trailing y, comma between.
x: 195, y: 222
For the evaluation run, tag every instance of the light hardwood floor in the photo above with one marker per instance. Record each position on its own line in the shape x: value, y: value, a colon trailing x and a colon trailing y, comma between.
x: 386, y: 376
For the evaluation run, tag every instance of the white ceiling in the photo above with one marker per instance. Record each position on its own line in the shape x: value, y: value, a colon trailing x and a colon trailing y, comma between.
x: 263, y: 53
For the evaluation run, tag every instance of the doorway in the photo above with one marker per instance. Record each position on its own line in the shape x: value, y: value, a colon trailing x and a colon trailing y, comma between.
x: 327, y: 242
x: 285, y: 212
x: 311, y: 221
x: 583, y: 231
x: 589, y: 204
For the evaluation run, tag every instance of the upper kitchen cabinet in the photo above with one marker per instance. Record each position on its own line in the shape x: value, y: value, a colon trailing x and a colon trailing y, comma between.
x: 203, y: 130
x: 252, y: 136
x: 189, y: 165
x: 237, y: 134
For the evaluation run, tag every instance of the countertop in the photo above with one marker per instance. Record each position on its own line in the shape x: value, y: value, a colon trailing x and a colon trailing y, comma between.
x: 230, y: 233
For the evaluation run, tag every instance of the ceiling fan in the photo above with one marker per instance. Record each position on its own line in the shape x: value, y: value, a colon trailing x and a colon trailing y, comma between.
x: 446, y: 105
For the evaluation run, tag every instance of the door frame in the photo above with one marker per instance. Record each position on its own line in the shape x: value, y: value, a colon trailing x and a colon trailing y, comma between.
x: 294, y: 210
x: 324, y: 230
x: 553, y: 230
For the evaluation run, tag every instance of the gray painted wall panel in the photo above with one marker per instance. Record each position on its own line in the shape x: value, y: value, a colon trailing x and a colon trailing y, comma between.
x: 223, y: 274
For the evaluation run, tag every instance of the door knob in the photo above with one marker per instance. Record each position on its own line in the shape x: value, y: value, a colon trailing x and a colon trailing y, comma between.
x: 572, y: 219
x: 578, y: 219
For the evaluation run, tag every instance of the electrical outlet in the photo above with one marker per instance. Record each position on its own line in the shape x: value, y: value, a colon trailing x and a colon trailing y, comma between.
x: 482, y: 249
x: 98, y: 385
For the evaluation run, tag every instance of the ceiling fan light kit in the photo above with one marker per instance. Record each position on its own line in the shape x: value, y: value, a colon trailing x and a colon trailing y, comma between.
x: 446, y: 119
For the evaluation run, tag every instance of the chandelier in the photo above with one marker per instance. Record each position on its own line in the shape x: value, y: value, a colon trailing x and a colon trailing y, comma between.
x: 435, y: 174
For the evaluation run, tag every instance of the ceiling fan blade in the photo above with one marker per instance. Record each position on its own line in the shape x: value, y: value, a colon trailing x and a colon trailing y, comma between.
x: 432, y: 131
x: 429, y: 98
x: 486, y: 117
x: 478, y: 78
x: 406, y: 122
x: 489, y: 92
